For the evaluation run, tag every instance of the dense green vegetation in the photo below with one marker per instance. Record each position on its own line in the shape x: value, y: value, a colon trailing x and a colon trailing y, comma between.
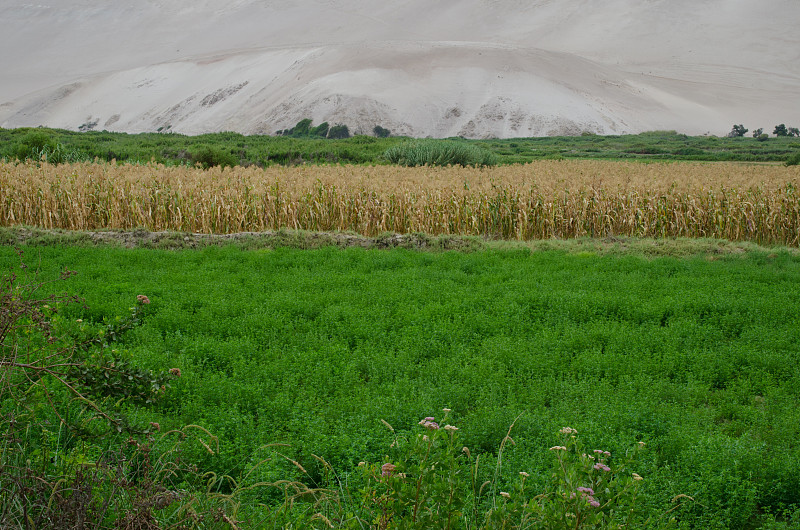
x: 695, y: 356
x: 414, y: 153
x: 232, y: 148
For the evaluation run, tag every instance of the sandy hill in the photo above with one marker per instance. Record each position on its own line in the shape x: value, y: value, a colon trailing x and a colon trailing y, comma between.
x: 475, y: 68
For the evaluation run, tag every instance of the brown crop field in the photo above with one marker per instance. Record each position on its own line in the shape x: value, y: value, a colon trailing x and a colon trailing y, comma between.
x: 542, y: 200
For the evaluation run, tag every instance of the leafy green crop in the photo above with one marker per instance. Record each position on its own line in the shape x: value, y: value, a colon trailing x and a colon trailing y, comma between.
x: 696, y: 357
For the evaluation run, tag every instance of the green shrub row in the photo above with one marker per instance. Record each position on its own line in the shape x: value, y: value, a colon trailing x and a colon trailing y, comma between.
x: 229, y: 148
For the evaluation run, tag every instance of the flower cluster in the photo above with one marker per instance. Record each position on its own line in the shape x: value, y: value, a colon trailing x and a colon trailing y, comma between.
x: 142, y: 299
x: 587, y: 494
x: 429, y: 423
x: 601, y: 456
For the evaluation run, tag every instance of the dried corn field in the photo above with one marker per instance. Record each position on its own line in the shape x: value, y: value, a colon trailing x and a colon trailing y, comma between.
x: 548, y: 199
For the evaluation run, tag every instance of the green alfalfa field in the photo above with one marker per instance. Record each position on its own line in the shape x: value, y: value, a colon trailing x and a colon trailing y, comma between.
x: 294, y: 362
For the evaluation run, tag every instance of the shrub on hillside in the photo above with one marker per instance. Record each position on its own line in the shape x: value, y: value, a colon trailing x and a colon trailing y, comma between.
x: 338, y: 132
x: 439, y: 153
x: 320, y: 130
x: 302, y: 128
x: 737, y: 131
x: 793, y: 160
x: 381, y: 132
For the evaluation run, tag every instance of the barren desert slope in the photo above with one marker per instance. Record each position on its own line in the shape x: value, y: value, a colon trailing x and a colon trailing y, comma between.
x: 474, y: 68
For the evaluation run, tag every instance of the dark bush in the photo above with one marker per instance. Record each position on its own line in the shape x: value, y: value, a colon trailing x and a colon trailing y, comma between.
x: 301, y: 129
x: 208, y: 156
x: 321, y: 130
x: 338, y: 132
x: 737, y: 131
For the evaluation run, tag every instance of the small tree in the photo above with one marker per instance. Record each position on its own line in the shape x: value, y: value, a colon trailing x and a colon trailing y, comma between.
x: 380, y: 132
x: 338, y: 132
x: 321, y: 130
x: 780, y: 130
x: 737, y: 131
x: 758, y: 132
x: 301, y: 129
x: 794, y: 131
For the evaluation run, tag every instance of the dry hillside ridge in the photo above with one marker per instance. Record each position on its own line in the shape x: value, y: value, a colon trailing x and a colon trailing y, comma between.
x: 474, y: 68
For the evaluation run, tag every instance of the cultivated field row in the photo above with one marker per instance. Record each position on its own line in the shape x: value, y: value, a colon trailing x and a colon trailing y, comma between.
x: 546, y: 199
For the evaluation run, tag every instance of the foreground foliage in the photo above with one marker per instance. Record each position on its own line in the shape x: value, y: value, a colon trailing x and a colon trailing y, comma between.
x: 88, y: 477
x: 290, y: 359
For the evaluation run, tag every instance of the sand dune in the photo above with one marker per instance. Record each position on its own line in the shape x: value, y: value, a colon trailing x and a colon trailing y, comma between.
x: 475, y: 68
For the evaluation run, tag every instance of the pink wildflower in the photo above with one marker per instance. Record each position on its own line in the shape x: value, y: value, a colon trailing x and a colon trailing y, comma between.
x: 594, y: 503
x: 175, y: 371
x: 601, y: 467
x: 142, y: 299
x: 387, y: 469
x: 429, y: 424
x: 590, y: 491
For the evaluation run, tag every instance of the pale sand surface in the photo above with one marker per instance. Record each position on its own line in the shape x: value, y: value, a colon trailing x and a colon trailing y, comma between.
x: 474, y: 68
